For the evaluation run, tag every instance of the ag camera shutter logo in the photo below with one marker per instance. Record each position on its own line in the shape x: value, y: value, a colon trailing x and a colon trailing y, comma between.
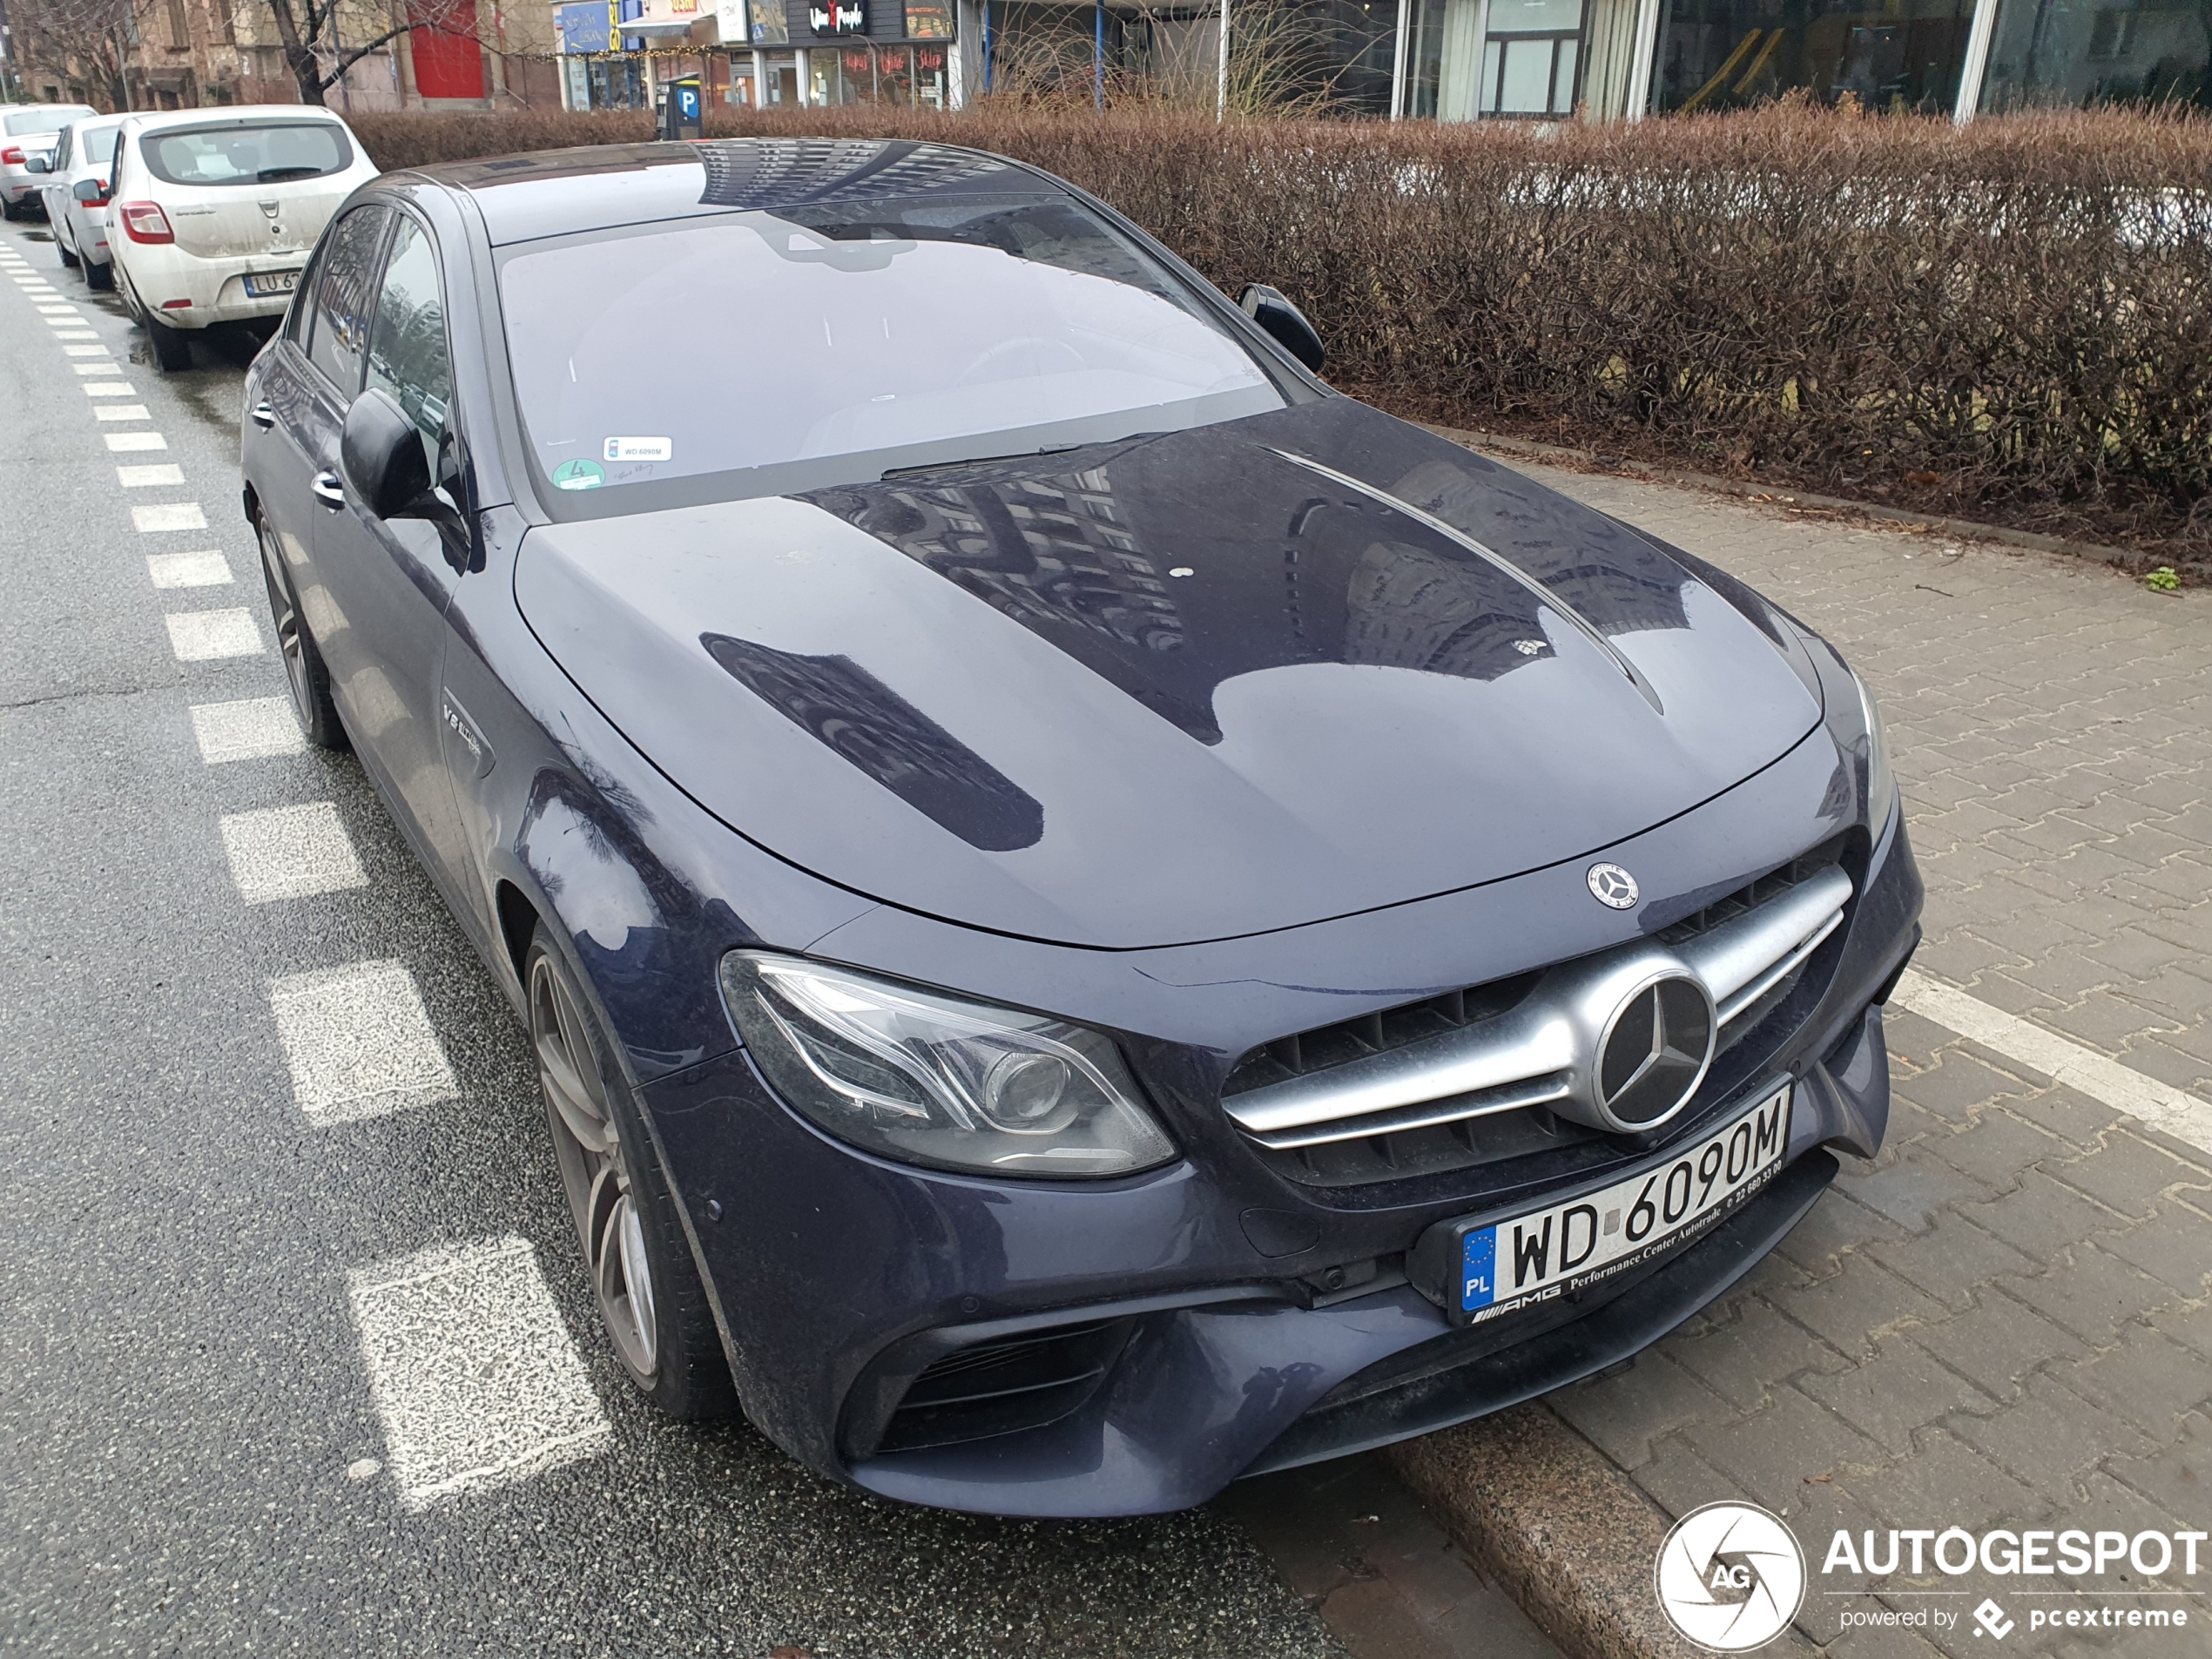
x: 1730, y: 1577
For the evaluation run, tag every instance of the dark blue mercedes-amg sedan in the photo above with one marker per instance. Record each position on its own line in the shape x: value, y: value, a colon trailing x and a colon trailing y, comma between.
x: 1094, y: 916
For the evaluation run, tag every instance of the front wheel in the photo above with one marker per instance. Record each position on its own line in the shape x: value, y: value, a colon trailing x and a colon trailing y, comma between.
x: 647, y: 1289
x: 303, y: 666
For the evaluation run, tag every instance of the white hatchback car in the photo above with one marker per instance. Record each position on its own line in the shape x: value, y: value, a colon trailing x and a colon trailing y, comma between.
x: 29, y: 130
x: 76, y: 196
x: 212, y: 214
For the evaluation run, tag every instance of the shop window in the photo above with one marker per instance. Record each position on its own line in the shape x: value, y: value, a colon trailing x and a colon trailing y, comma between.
x: 1530, y: 58
x: 2047, y: 52
x: 1726, y: 54
x: 929, y: 19
x: 770, y: 25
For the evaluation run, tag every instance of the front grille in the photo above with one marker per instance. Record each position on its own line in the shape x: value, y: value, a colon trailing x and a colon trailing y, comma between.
x: 1003, y: 1387
x: 1474, y: 1078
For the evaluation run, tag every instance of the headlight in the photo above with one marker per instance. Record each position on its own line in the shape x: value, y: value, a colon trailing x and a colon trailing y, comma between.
x: 1881, y: 786
x: 928, y: 1080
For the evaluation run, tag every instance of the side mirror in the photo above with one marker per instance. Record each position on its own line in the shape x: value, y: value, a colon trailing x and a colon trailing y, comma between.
x: 38, y: 164
x: 1267, y: 307
x: 380, y: 453
x: 89, y: 192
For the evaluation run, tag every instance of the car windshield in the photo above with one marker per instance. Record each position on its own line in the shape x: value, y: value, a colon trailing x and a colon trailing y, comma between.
x: 47, y: 118
x: 824, y: 345
x: 265, y: 153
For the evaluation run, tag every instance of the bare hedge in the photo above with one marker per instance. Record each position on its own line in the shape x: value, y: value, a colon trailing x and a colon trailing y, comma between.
x: 2010, y: 321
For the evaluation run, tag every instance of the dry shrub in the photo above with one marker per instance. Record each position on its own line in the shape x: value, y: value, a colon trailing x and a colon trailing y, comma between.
x: 2012, y: 321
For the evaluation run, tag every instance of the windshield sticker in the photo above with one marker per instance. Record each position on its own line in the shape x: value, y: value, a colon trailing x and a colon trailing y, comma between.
x: 639, y: 449
x: 579, y: 474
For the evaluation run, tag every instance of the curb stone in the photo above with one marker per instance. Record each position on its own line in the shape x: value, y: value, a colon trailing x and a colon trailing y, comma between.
x: 2132, y: 562
x: 1554, y: 1521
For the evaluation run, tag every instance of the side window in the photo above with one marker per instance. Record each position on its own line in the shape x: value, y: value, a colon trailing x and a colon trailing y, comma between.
x: 407, y: 354
x: 61, y: 151
x: 344, y: 294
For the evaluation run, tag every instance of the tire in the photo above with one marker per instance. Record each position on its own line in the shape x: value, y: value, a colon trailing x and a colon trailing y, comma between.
x: 8, y: 209
x: 97, y: 277
x: 643, y: 1277
x: 68, y: 257
x: 303, y: 667
x: 171, y: 347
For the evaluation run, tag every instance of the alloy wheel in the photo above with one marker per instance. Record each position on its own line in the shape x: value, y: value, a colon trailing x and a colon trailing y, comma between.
x: 588, y: 1146
x: 286, y: 616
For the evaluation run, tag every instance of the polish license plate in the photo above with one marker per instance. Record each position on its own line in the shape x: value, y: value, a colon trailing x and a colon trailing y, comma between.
x: 262, y: 283
x: 1501, y: 1267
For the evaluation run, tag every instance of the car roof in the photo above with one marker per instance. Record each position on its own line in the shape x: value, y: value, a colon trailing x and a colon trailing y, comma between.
x: 227, y: 115
x: 553, y: 192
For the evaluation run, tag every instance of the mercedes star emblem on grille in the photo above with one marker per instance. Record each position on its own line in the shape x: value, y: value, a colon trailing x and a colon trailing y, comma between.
x: 1611, y: 885
x: 1655, y: 1052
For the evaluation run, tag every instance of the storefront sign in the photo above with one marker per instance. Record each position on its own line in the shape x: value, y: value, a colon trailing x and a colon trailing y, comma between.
x: 583, y: 26
x: 837, y: 16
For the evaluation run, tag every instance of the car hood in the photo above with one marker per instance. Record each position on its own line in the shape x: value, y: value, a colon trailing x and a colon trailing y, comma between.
x: 1175, y: 688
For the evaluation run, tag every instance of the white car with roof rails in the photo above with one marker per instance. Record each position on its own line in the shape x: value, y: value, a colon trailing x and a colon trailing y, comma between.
x: 214, y: 212
x: 75, y: 197
x: 27, y: 133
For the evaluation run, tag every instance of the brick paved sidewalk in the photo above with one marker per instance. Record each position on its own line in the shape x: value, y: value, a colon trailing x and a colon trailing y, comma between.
x: 2003, y: 1320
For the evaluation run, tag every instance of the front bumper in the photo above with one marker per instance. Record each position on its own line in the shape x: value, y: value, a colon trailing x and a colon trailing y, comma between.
x: 839, y: 1278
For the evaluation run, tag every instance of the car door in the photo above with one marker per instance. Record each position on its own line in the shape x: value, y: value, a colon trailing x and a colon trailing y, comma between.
x: 391, y: 579
x: 298, y: 396
x: 53, y: 192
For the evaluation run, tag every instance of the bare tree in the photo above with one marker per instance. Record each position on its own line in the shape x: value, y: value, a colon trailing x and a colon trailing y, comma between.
x: 87, y: 43
x: 307, y: 31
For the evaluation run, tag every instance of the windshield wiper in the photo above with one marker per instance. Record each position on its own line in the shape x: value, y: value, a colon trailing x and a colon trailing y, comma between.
x: 1019, y: 455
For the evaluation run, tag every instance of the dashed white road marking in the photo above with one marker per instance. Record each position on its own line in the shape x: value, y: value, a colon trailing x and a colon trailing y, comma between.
x: 204, y: 636
x: 75, y: 333
x: 207, y: 569
x: 252, y: 729
x: 118, y: 442
x: 88, y: 351
x: 109, y: 367
x: 2122, y: 1087
x: 290, y: 852
x: 170, y: 515
x: 109, y: 389
x: 471, y: 1369
x: 159, y: 474
x: 359, y: 1042
x: 120, y: 412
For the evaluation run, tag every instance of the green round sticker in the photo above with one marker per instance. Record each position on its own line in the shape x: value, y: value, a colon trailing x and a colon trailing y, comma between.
x: 579, y: 475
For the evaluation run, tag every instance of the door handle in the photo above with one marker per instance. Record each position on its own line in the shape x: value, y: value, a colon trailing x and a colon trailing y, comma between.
x: 264, y: 416
x: 328, y: 490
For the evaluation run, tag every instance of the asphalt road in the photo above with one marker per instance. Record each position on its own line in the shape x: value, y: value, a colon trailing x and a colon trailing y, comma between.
x: 197, y: 1445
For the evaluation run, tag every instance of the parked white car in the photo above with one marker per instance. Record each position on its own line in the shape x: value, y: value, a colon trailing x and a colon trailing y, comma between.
x: 75, y: 192
x: 212, y: 214
x: 28, y: 129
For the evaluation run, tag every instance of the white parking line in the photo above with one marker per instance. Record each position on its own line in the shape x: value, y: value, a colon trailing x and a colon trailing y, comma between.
x: 121, y: 412
x: 2104, y: 1080
x: 119, y: 441
x: 75, y: 333
x: 359, y: 1041
x: 170, y: 515
x: 290, y: 852
x: 204, y: 636
x: 471, y: 1369
x: 252, y: 729
x: 109, y: 389
x: 208, y: 568
x: 87, y: 351
x: 109, y: 367
x: 155, y: 476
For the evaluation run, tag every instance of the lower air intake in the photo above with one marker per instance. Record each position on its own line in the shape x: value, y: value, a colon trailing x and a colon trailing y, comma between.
x: 1005, y: 1387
